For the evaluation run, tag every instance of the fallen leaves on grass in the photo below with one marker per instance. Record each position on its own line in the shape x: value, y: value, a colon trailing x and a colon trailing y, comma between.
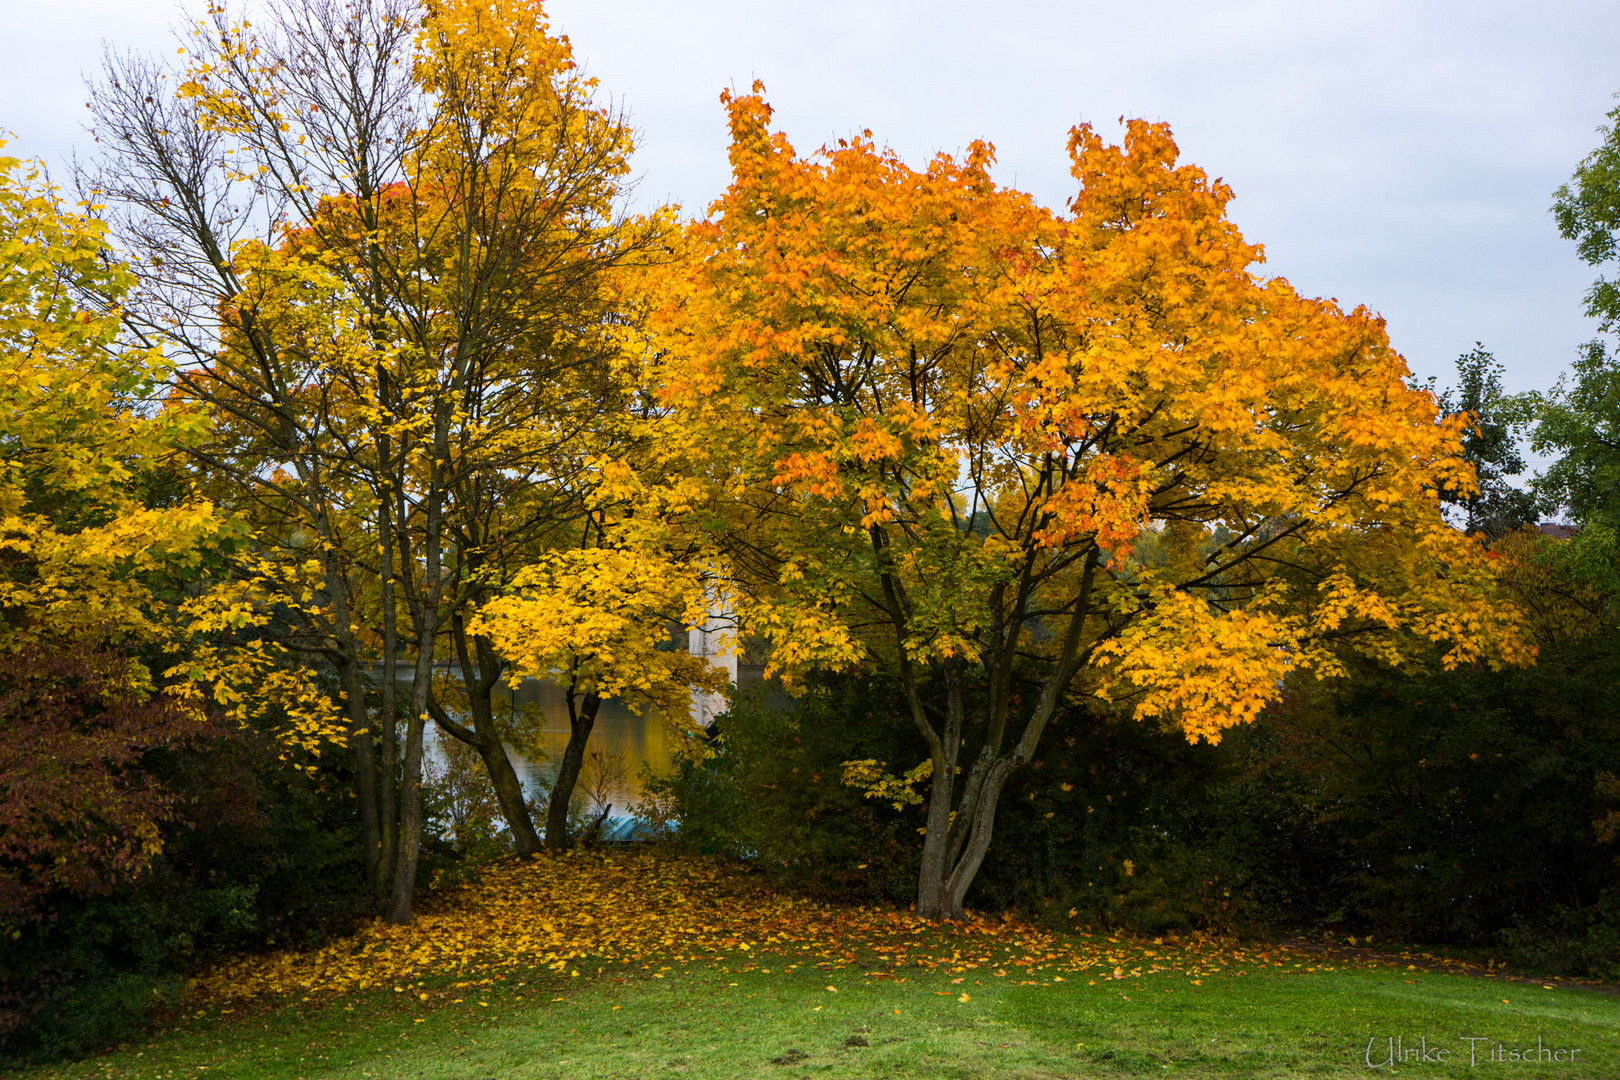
x: 644, y: 907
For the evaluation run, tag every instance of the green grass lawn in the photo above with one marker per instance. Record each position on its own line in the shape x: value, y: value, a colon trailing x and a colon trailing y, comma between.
x: 725, y: 1020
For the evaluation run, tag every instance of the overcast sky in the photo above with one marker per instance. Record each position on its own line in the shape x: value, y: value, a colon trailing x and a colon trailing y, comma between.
x: 1400, y: 155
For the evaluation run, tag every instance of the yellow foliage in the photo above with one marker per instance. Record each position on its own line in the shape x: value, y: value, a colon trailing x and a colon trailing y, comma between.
x: 78, y: 435
x: 598, y: 614
x: 898, y: 791
x: 72, y: 440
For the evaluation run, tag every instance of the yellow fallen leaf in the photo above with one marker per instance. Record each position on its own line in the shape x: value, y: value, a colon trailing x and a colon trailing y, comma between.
x: 964, y: 998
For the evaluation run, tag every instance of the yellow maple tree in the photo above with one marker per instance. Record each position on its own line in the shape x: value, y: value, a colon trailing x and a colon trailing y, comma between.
x: 78, y: 540
x: 380, y: 240
x: 600, y: 617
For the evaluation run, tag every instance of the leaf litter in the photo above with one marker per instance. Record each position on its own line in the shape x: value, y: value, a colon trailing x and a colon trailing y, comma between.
x: 660, y: 911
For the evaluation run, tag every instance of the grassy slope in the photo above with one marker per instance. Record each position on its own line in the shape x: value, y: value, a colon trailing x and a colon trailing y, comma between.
x: 720, y: 1022
x: 640, y: 965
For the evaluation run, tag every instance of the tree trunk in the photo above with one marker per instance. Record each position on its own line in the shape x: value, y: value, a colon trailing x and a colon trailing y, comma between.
x: 409, y: 847
x: 581, y: 720
x: 424, y: 601
x: 954, y: 891
x: 410, y: 831
x: 953, y: 854
x: 480, y: 680
x: 509, y: 793
x: 365, y: 763
x: 388, y: 714
x: 932, y: 877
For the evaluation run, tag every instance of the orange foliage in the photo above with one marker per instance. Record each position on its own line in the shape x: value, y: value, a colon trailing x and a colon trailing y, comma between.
x: 979, y: 443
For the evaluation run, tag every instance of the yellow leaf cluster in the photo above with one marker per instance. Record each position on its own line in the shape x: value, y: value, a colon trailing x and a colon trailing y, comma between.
x: 875, y: 783
x: 74, y: 437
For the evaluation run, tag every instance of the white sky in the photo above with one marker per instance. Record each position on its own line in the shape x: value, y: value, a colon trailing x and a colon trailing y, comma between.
x: 1396, y: 153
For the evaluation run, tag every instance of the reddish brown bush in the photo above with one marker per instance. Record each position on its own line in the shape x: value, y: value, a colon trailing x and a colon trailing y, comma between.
x: 78, y: 811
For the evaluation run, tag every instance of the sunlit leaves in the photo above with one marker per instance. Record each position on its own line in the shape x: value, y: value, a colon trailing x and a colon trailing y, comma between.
x: 75, y: 537
x: 599, y: 618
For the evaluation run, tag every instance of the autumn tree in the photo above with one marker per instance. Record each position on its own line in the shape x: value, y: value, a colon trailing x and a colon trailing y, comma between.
x: 375, y: 239
x: 595, y: 615
x: 79, y: 543
x: 944, y: 421
x: 83, y: 558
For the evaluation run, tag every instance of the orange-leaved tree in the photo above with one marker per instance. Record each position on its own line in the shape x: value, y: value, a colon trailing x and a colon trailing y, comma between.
x: 1021, y: 458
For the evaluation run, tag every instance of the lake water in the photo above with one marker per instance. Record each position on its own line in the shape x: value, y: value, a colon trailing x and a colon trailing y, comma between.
x: 621, y: 742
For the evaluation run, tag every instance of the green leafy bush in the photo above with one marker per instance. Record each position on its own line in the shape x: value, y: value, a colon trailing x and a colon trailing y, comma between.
x: 770, y: 789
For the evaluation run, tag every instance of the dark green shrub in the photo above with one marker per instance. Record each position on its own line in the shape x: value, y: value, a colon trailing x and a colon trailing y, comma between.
x: 1114, y: 823
x: 1565, y: 942
x: 772, y: 792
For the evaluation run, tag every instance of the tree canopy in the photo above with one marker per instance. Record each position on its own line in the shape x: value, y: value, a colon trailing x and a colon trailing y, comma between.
x: 1015, y: 456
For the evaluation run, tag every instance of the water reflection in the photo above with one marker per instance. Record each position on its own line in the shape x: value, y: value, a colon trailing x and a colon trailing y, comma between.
x: 621, y: 743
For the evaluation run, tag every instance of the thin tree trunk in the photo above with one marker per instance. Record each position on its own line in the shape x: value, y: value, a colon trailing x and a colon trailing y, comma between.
x: 978, y: 842
x: 365, y: 763
x: 480, y: 680
x: 425, y: 600
x: 410, y: 831
x: 388, y: 713
x: 931, y: 880
x: 354, y: 693
x: 983, y: 792
x: 581, y: 719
